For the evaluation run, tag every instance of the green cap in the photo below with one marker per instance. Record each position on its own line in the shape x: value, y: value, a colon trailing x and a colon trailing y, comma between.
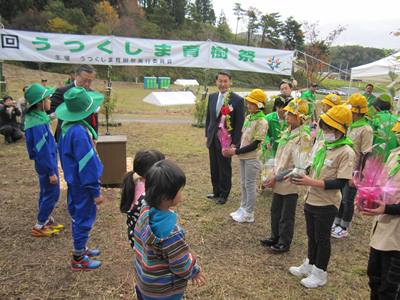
x: 78, y: 104
x: 36, y: 93
x: 385, y: 98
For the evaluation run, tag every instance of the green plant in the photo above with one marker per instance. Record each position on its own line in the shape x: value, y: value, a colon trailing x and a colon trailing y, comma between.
x: 109, y: 106
x: 200, y: 107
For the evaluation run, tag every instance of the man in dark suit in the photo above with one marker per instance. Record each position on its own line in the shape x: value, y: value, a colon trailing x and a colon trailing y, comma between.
x: 84, y: 76
x: 220, y: 166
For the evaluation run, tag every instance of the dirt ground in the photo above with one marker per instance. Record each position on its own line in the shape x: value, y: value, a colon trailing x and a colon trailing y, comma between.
x: 234, y: 263
x: 236, y: 266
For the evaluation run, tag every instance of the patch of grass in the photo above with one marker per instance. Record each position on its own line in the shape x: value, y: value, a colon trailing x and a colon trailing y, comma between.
x: 343, y: 84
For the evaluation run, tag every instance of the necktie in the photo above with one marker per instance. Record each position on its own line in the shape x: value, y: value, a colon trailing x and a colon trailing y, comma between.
x: 220, y: 102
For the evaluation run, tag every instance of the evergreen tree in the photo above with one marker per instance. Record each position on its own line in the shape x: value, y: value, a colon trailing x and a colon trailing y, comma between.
x: 178, y: 10
x: 223, y: 31
x: 293, y: 36
x: 206, y: 11
x: 162, y: 17
x: 271, y: 28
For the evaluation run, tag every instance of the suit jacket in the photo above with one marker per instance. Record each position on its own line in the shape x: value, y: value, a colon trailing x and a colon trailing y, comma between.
x: 237, y: 118
x: 58, y: 97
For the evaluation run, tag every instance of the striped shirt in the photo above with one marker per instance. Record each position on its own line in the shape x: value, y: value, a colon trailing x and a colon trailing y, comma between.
x: 162, y: 265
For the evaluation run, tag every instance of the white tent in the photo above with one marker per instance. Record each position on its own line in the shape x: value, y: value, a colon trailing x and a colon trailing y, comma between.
x: 270, y: 93
x: 170, y: 98
x: 186, y: 82
x: 378, y: 71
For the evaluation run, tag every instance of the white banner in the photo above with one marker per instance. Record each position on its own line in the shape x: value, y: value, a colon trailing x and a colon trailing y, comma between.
x: 121, y: 51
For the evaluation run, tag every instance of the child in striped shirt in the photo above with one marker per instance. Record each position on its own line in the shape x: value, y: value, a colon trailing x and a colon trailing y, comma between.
x: 163, y: 263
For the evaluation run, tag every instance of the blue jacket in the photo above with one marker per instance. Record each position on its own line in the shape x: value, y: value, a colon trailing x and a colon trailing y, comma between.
x: 42, y: 149
x: 80, y: 162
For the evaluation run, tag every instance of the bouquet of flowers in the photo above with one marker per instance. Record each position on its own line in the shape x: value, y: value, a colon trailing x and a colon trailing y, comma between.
x: 224, y: 126
x: 373, y: 184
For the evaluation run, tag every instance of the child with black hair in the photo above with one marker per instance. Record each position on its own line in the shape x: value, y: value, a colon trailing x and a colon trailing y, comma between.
x: 276, y: 123
x: 42, y: 149
x: 163, y: 262
x: 332, y: 167
x: 133, y: 187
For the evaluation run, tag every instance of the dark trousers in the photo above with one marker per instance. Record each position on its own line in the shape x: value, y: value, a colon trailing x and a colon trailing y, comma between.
x: 346, y: 210
x: 283, y: 212
x: 384, y: 274
x: 12, y: 133
x: 221, y: 170
x: 319, y: 220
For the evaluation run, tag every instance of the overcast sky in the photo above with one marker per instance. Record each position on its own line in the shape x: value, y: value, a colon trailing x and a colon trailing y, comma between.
x: 368, y: 22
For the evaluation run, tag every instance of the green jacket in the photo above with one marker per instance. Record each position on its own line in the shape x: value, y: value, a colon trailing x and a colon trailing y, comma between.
x: 311, y: 99
x: 384, y: 138
x: 274, y: 130
x: 308, y: 95
x: 370, y: 98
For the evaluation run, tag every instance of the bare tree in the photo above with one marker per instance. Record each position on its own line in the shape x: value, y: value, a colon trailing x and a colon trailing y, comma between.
x: 239, y: 12
x: 252, y: 22
x: 317, y: 49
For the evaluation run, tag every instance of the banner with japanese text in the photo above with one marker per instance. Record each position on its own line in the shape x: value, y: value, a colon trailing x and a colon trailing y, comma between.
x: 122, y: 51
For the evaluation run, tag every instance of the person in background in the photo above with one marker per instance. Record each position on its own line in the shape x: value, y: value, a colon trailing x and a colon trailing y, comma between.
x: 21, y: 104
x: 9, y: 127
x: 44, y: 82
x: 382, y: 123
x: 85, y: 75
x: 369, y: 88
x: 309, y: 95
x: 285, y: 88
x: 276, y: 120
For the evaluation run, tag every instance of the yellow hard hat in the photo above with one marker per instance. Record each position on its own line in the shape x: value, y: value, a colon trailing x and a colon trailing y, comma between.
x: 396, y: 127
x: 338, y: 117
x: 332, y: 100
x: 359, y: 103
x: 298, y: 107
x: 257, y: 97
